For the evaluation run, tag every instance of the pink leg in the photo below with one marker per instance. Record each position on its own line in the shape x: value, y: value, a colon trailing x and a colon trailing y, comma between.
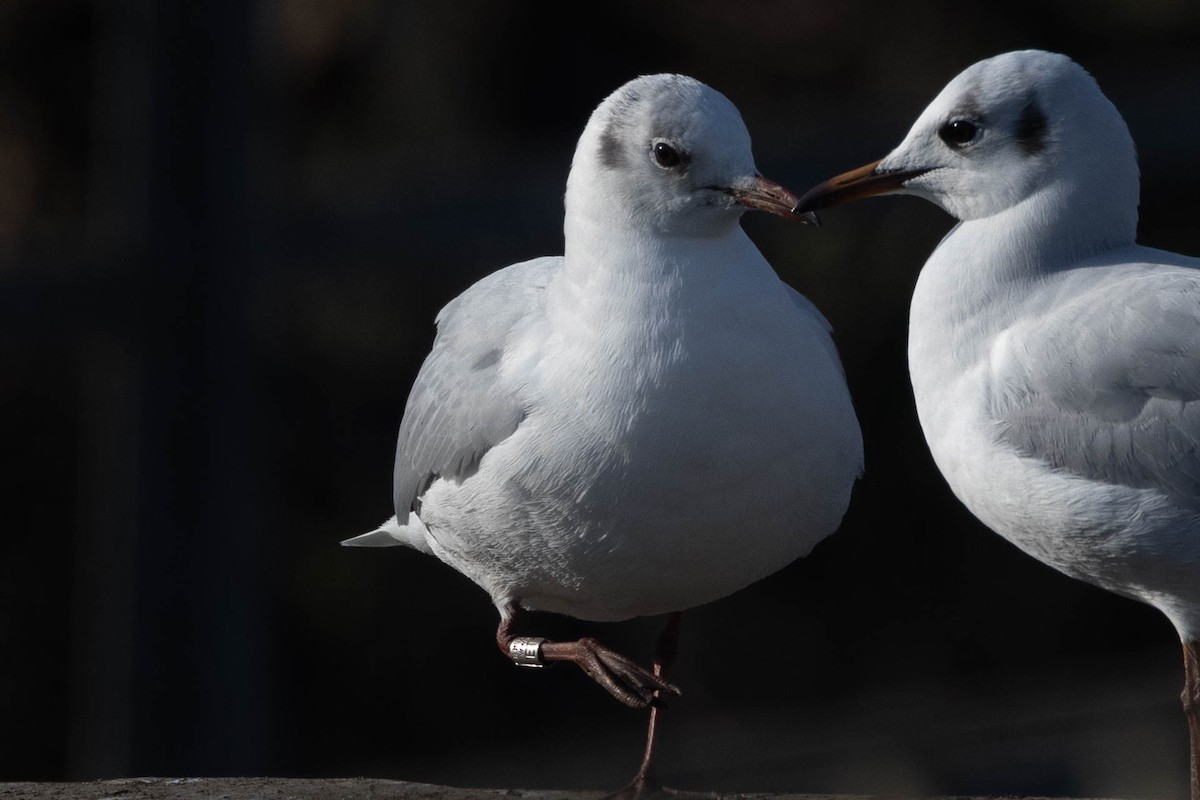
x: 645, y: 783
x: 664, y: 657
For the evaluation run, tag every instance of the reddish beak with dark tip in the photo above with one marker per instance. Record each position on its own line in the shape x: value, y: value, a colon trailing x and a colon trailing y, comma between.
x: 766, y: 195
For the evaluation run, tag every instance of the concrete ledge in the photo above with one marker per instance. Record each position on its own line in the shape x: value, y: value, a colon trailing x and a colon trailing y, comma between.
x: 305, y: 789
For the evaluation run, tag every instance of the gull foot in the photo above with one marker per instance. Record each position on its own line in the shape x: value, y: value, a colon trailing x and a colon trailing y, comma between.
x: 625, y: 680
x: 641, y: 788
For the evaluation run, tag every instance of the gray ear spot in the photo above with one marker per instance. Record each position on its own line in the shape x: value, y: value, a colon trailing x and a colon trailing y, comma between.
x: 1031, y: 128
x: 611, y: 155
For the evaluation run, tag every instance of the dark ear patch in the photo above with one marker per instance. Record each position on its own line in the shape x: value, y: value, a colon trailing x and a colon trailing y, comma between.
x: 611, y: 155
x: 1031, y: 128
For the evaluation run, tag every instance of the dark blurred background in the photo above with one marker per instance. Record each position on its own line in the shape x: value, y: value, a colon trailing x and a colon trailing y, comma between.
x: 225, y: 229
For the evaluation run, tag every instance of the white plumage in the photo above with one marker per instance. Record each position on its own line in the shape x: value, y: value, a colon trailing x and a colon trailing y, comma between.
x: 649, y: 422
x: 1055, y: 362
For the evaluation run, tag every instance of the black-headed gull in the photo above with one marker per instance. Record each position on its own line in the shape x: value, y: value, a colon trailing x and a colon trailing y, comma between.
x: 652, y: 421
x: 1055, y: 363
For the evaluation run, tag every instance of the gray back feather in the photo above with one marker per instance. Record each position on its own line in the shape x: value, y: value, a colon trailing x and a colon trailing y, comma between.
x: 808, y: 307
x: 1109, y: 389
x: 459, y: 408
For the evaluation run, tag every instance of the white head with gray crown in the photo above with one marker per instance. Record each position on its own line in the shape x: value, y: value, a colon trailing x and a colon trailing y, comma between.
x: 669, y: 155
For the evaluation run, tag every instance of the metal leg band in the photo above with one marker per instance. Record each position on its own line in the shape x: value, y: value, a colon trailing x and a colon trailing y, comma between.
x: 526, y: 651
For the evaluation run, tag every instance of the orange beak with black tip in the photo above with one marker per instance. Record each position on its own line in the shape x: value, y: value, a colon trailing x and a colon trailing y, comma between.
x: 866, y: 181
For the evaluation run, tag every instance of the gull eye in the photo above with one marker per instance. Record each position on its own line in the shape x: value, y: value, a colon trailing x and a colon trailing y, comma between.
x: 667, y: 156
x: 958, y: 132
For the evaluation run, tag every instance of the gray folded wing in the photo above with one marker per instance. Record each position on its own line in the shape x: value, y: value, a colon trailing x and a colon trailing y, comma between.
x: 1108, y: 386
x: 460, y: 406
x: 808, y: 308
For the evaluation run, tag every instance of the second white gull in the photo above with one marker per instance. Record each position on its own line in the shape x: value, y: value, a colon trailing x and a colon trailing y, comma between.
x: 1055, y: 362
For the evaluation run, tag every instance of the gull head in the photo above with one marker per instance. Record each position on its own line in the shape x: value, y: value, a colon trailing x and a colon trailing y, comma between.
x: 1004, y: 130
x: 669, y: 154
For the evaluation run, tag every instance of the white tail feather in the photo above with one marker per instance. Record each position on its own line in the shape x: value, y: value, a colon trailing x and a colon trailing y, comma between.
x: 393, y: 534
x: 386, y: 535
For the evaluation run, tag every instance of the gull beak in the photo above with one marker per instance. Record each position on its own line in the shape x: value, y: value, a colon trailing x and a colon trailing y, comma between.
x: 866, y: 181
x: 766, y: 195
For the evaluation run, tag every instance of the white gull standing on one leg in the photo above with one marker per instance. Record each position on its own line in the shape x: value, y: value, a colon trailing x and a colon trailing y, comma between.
x: 649, y: 422
x: 1055, y: 363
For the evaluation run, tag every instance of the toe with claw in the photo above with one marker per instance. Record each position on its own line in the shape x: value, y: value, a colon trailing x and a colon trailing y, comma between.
x: 625, y: 680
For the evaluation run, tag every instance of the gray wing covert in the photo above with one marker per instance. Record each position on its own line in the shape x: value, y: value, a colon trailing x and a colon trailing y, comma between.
x: 1109, y: 389
x: 459, y: 408
x: 809, y: 308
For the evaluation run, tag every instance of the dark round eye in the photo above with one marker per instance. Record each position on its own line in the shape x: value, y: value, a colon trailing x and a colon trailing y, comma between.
x: 958, y: 132
x: 666, y: 156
